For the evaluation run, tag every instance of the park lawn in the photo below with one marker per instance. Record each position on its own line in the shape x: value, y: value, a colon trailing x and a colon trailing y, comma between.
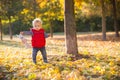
x: 98, y: 60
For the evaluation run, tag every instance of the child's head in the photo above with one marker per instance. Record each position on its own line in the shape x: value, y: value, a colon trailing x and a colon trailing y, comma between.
x: 37, y: 23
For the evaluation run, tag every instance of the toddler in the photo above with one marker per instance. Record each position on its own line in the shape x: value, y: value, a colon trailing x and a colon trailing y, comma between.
x: 38, y: 39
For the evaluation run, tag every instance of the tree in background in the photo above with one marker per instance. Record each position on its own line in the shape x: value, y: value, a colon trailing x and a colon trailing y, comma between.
x: 103, y: 20
x: 10, y: 8
x: 1, y: 29
x: 70, y: 27
x: 87, y: 14
x: 9, y: 12
x: 53, y: 11
x: 1, y: 12
x: 115, y: 18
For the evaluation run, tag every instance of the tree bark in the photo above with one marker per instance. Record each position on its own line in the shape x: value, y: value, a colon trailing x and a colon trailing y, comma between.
x: 1, y: 29
x: 103, y: 21
x: 10, y: 28
x: 34, y: 8
x: 70, y: 28
x: 115, y: 18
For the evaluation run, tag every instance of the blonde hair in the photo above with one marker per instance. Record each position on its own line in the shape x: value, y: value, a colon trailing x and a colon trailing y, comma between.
x: 36, y: 20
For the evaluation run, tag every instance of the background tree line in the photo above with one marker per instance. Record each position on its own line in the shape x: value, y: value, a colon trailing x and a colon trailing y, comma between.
x: 18, y: 14
x: 61, y: 15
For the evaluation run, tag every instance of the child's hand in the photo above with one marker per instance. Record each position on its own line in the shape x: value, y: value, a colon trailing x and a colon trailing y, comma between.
x: 49, y: 35
x: 21, y: 33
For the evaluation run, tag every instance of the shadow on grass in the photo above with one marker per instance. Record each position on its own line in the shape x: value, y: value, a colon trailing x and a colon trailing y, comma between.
x: 93, y: 37
x: 89, y: 75
x: 103, y: 58
x: 98, y: 37
x: 5, y: 74
x: 11, y: 43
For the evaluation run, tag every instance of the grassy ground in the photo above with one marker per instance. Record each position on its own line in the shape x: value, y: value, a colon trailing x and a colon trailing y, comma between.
x: 99, y: 60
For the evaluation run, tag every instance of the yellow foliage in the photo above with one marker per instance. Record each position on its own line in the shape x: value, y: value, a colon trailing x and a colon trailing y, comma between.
x: 43, y: 4
x: 97, y: 68
x: 111, y: 63
x: 74, y: 75
x: 43, y: 67
x: 61, y: 3
x: 32, y: 76
x: 78, y: 3
x: 52, y: 14
x: 25, y: 11
x: 18, y: 60
x: 102, y: 71
x: 113, y: 72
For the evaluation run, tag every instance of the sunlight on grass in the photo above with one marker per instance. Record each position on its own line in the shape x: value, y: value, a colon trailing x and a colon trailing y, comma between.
x: 100, y: 61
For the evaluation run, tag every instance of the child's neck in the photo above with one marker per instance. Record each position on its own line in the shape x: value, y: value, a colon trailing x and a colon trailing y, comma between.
x: 38, y: 29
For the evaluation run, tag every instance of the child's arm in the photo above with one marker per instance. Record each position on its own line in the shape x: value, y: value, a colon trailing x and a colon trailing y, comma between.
x: 46, y: 35
x: 26, y: 33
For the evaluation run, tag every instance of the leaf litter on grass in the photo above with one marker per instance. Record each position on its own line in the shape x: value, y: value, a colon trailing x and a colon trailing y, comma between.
x: 100, y: 60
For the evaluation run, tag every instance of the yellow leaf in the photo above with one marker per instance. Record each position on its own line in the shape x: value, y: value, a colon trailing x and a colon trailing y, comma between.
x: 32, y: 76
x: 97, y: 68
x: 111, y: 63
x: 25, y: 11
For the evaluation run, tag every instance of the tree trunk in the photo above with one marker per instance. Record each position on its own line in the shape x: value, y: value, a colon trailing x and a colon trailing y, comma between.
x: 1, y: 29
x: 115, y: 18
x: 34, y: 7
x: 10, y: 28
x: 103, y: 21
x: 70, y: 28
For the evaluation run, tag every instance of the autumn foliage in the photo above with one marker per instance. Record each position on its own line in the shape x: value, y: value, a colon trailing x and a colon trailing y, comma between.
x: 97, y: 60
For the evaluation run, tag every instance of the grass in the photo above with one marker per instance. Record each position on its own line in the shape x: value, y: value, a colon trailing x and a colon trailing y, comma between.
x: 99, y: 60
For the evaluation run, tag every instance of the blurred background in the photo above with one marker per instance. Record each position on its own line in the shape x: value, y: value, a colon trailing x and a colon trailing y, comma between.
x: 17, y: 15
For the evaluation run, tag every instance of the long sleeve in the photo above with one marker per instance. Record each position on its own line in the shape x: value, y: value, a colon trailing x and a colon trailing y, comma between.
x: 46, y: 35
x: 28, y: 32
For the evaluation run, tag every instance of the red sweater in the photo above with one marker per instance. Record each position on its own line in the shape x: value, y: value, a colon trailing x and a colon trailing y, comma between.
x: 38, y: 38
